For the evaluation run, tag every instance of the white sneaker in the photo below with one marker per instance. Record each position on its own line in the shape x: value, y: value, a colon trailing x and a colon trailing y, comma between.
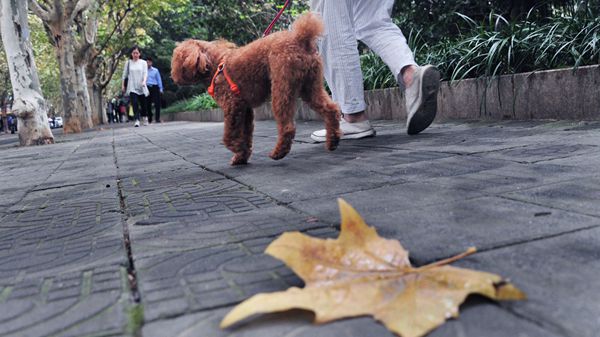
x: 145, y: 120
x: 137, y: 123
x: 421, y: 99
x: 349, y: 131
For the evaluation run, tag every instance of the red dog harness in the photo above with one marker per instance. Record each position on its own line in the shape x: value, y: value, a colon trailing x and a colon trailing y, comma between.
x: 221, y: 69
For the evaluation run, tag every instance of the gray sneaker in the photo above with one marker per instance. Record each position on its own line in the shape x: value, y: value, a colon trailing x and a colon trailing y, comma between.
x: 349, y: 131
x: 421, y: 99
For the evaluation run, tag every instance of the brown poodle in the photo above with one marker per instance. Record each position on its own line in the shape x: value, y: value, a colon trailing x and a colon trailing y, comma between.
x: 284, y: 66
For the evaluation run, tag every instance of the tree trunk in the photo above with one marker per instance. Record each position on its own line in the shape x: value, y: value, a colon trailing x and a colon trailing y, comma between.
x: 58, y: 17
x: 99, y: 107
x: 29, y: 105
x: 68, y: 80
x: 83, y: 98
x: 93, y: 104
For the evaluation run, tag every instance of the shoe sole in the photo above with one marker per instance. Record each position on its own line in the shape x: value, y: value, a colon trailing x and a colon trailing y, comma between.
x: 430, y: 84
x: 360, y: 135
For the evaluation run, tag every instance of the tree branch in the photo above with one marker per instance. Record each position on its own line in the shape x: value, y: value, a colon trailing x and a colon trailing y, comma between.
x: 112, y: 67
x: 40, y: 11
x: 117, y: 27
x: 80, y: 7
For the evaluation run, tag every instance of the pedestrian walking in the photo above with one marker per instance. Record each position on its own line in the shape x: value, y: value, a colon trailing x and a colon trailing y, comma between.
x: 346, y: 22
x: 155, y: 87
x: 134, y: 79
x: 109, y: 111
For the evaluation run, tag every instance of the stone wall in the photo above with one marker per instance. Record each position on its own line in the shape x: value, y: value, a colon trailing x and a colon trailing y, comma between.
x: 554, y: 94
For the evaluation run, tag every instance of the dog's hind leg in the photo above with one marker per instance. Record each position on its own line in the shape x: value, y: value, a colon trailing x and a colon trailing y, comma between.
x: 318, y: 100
x: 284, y: 108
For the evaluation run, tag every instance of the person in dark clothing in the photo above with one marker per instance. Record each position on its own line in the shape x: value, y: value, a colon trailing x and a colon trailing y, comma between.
x: 155, y: 87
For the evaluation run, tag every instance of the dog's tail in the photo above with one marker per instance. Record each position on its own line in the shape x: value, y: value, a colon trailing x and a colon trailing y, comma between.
x: 307, y: 28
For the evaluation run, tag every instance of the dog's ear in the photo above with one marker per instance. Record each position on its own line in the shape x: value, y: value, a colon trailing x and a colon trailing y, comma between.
x: 204, y: 64
x: 190, y: 63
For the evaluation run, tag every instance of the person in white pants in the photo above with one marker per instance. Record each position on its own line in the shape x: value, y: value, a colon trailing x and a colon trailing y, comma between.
x: 369, y: 21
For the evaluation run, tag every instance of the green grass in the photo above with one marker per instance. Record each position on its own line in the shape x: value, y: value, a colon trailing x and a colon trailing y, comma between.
x: 135, y: 319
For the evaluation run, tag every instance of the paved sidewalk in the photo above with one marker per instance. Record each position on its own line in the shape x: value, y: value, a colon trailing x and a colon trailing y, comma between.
x: 75, y: 216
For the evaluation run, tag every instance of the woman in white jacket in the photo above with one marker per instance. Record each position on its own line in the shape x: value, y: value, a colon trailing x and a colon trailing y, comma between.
x: 134, y: 78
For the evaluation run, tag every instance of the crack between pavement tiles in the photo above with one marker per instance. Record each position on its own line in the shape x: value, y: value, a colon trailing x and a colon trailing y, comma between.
x: 543, y: 205
x: 131, y: 271
x: 61, y: 186
x: 523, y: 242
x: 236, y: 241
x: 542, y: 324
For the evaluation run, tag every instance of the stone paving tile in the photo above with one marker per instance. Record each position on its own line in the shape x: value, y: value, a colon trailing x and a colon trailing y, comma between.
x: 62, y: 258
x: 174, y: 283
x: 437, y: 231
x: 473, y: 322
x: 582, y: 195
x: 515, y: 177
x: 89, y: 302
x: 544, y: 152
x: 551, y: 271
x: 387, y: 199
x: 436, y: 202
x: 62, y: 228
x: 207, y: 199
x: 199, y: 227
x: 151, y: 238
x: 558, y: 304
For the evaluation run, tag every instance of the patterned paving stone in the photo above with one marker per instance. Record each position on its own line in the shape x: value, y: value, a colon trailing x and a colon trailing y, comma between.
x: 207, y: 199
x: 438, y: 203
x: 174, y: 283
x: 523, y: 192
x: 62, y: 258
x: 89, y: 302
x: 191, y: 233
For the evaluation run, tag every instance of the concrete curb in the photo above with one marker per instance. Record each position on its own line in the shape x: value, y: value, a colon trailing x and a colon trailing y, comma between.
x: 565, y: 94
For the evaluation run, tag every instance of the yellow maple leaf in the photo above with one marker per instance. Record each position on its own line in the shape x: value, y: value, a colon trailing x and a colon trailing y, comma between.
x: 361, y: 273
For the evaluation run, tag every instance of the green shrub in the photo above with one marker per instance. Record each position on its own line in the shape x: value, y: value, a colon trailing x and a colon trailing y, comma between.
x: 199, y: 102
x: 497, y: 46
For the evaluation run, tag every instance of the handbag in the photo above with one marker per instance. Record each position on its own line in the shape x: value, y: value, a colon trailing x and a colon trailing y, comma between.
x: 126, y: 80
x: 145, y: 90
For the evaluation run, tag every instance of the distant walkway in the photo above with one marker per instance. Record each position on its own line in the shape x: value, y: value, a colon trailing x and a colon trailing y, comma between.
x: 106, y: 228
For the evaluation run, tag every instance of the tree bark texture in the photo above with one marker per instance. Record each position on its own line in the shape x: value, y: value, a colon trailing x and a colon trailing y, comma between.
x: 29, y: 105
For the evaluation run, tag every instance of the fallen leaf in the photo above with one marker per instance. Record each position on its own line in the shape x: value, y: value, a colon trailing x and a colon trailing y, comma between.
x: 361, y: 273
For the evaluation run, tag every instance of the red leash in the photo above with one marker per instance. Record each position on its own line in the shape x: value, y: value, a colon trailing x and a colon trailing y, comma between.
x: 221, y: 68
x: 268, y: 30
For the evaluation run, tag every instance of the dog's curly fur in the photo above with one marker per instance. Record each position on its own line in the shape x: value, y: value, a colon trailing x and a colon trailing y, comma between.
x: 284, y: 65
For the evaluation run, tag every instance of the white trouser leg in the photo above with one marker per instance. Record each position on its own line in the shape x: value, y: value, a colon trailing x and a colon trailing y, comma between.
x: 374, y: 26
x: 339, y: 48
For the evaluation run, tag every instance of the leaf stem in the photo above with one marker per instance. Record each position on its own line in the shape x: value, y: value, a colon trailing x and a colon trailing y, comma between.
x: 470, y: 251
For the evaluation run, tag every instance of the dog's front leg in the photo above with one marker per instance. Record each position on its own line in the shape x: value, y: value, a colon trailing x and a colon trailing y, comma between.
x: 237, y: 136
